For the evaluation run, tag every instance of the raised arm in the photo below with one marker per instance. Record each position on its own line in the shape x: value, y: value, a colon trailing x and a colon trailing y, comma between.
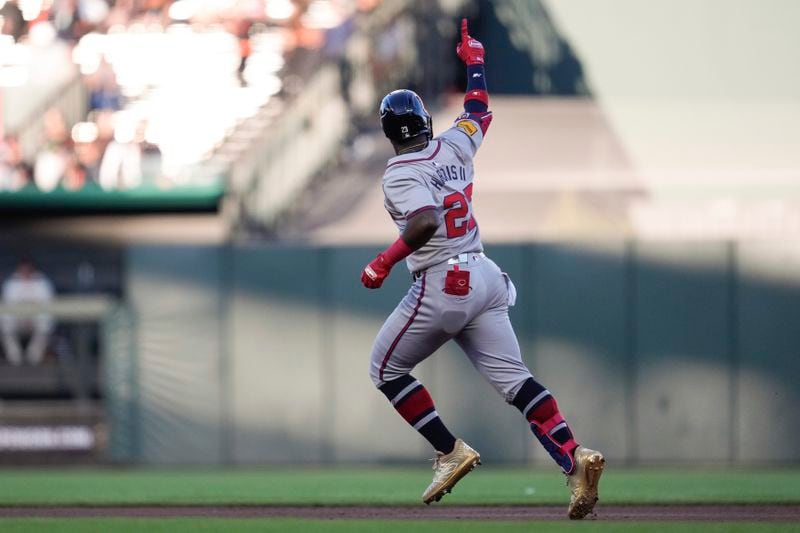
x: 476, y: 101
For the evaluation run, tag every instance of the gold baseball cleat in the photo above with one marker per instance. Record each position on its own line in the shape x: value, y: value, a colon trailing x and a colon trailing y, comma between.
x: 449, y: 469
x: 583, y: 482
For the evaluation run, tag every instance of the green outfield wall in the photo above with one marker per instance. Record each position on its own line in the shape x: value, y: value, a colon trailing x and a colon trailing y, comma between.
x: 657, y: 352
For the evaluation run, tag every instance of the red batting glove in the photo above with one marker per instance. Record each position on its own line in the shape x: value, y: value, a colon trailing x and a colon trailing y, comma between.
x: 469, y: 50
x: 374, y: 273
x: 378, y: 270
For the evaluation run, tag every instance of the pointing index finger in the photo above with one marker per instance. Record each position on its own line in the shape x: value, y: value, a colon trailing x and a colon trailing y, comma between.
x: 464, y: 30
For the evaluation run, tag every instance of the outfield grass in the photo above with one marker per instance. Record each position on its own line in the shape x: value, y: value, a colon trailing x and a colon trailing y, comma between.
x: 390, y: 486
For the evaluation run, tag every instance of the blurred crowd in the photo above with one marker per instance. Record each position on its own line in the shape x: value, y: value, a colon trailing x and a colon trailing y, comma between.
x: 89, y: 152
x: 165, y: 82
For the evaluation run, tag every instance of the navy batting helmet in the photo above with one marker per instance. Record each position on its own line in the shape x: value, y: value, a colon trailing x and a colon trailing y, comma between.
x: 403, y: 116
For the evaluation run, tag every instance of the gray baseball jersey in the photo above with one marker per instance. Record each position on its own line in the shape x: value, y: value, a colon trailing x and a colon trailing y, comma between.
x: 440, y: 177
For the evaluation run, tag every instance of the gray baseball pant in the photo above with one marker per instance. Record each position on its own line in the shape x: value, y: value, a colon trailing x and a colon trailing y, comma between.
x: 427, y: 317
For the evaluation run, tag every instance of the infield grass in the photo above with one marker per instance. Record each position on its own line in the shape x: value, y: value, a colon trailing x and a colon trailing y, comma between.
x: 388, y: 486
x: 179, y: 525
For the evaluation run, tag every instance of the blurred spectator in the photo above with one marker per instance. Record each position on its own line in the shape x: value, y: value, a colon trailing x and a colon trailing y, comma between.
x: 51, y: 163
x: 104, y: 120
x: 151, y: 153
x: 55, y: 127
x: 241, y: 28
x: 49, y: 168
x: 26, y: 285
x: 64, y: 14
x: 14, y: 173
x: 87, y: 155
x: 335, y: 48
x: 103, y: 89
x: 90, y: 141
x: 74, y: 174
x: 121, y: 166
x: 11, y: 21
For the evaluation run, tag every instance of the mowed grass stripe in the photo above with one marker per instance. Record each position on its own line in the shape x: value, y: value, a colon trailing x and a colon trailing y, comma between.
x: 390, y: 486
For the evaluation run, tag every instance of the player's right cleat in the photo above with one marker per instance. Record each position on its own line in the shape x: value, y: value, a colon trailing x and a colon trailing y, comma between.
x: 583, y: 481
x: 449, y: 469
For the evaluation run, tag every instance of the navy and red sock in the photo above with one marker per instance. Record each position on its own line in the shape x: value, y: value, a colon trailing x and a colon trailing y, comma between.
x: 548, y: 425
x: 415, y: 405
x: 410, y: 398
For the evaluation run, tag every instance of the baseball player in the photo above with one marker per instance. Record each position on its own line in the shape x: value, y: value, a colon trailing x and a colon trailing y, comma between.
x: 458, y: 293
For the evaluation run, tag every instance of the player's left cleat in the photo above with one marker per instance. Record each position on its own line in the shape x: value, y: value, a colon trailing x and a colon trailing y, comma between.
x: 449, y: 469
x: 583, y: 482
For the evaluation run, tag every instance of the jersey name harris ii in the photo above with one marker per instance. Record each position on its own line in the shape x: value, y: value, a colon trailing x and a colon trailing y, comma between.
x: 438, y: 177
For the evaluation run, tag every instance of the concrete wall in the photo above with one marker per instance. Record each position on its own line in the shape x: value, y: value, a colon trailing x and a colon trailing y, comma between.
x: 657, y: 352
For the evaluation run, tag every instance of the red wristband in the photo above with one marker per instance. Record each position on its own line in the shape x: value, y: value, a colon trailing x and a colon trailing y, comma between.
x: 397, y: 252
x: 477, y: 94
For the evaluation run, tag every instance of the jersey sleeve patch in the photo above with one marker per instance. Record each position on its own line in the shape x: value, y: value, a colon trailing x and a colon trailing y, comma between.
x: 467, y: 126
